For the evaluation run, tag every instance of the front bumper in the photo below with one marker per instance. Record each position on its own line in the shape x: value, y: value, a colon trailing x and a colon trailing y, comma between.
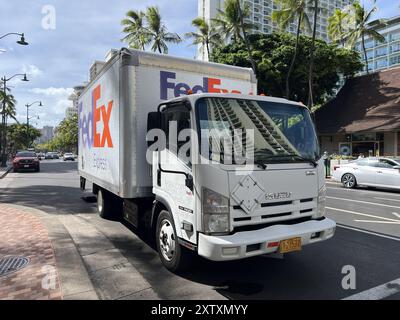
x: 26, y: 166
x: 252, y: 243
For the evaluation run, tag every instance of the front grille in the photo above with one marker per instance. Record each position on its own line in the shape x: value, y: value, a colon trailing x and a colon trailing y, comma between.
x: 274, y: 212
x: 274, y: 204
x: 26, y: 161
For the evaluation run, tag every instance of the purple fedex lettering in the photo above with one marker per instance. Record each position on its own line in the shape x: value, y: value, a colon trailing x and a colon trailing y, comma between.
x: 165, y: 85
x: 179, y: 88
x: 84, y: 123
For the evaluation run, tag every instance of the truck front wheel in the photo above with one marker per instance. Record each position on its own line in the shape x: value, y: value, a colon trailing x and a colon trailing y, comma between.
x: 173, y: 256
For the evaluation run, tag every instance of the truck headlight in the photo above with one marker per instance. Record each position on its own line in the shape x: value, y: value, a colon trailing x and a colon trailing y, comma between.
x: 321, y: 202
x: 215, y: 208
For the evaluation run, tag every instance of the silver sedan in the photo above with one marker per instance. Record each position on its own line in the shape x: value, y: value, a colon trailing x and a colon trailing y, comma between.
x: 374, y: 172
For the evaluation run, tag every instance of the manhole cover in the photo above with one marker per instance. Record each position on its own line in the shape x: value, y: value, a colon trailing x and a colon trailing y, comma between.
x: 12, y: 264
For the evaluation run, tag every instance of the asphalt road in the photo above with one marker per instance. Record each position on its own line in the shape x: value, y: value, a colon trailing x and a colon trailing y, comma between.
x: 367, y: 239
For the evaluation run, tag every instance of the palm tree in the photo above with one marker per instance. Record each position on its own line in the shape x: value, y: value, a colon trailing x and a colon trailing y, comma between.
x: 231, y: 24
x: 207, y: 35
x: 338, y: 26
x: 10, y: 102
x: 362, y: 17
x: 291, y: 11
x: 229, y: 20
x: 314, y: 6
x: 158, y: 34
x: 137, y: 35
x: 246, y: 40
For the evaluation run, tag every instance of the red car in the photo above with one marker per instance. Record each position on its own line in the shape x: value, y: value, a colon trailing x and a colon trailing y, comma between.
x: 26, y: 160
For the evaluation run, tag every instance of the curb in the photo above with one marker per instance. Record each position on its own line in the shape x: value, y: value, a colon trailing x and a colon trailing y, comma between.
x: 3, y: 174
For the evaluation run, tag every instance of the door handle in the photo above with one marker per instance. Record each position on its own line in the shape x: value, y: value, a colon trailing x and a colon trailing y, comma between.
x: 379, y: 172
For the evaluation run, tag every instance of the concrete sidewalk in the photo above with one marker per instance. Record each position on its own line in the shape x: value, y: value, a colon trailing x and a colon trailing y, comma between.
x: 28, y: 268
x: 66, y: 258
x: 5, y: 170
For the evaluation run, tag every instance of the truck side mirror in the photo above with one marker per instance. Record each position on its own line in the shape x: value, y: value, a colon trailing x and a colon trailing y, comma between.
x: 189, y: 182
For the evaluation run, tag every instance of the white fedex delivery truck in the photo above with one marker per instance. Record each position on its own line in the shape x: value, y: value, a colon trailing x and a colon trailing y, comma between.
x: 146, y: 124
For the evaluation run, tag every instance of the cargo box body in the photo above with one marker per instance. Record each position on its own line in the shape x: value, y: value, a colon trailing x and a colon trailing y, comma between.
x: 113, y: 111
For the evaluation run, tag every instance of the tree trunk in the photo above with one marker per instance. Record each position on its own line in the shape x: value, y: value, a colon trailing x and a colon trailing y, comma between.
x: 294, y: 58
x: 208, y: 50
x: 365, y: 52
x: 246, y: 40
x: 310, y: 103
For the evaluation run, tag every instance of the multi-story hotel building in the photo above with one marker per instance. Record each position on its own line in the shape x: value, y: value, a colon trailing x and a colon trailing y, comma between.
x: 261, y: 16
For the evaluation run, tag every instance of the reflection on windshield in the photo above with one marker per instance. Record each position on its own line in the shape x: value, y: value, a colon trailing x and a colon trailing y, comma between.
x: 278, y: 130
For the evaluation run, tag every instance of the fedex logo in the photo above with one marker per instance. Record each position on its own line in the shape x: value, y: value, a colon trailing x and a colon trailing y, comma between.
x: 167, y: 82
x: 94, y: 126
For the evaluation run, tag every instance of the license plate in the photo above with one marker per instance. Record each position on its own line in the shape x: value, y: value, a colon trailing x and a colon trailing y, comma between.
x: 289, y: 245
x: 26, y: 166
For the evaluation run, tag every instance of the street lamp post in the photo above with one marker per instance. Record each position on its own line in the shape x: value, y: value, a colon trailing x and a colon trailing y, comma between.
x: 21, y: 41
x: 4, y: 117
x: 27, y: 120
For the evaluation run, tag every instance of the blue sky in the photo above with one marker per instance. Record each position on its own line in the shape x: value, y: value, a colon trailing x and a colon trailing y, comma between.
x: 57, y: 59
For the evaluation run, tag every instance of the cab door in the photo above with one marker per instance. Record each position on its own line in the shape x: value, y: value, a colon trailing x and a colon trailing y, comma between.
x: 174, y: 173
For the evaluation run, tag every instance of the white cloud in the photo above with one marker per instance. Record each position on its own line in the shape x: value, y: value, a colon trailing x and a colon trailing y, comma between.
x: 61, y: 105
x: 51, y: 91
x: 31, y: 70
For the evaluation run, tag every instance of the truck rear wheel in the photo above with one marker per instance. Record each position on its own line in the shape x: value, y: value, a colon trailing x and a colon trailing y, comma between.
x: 109, y: 206
x: 173, y: 256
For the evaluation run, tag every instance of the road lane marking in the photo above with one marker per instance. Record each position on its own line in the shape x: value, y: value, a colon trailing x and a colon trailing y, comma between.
x: 372, y: 221
x: 362, y: 214
x: 387, y: 199
x: 377, y: 293
x: 365, y: 202
x: 366, y: 191
x: 367, y: 232
x: 396, y: 214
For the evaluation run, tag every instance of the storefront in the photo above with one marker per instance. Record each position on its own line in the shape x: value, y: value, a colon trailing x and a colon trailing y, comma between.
x: 365, y: 144
x: 364, y: 118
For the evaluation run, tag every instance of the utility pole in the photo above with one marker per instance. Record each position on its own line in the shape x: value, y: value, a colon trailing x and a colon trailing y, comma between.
x: 4, y: 117
x: 27, y: 121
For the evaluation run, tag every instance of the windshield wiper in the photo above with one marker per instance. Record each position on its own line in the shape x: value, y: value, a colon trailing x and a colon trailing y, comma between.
x: 293, y: 156
x: 260, y: 164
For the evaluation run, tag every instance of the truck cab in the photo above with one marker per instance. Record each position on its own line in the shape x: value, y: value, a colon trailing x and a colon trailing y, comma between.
x: 234, y: 176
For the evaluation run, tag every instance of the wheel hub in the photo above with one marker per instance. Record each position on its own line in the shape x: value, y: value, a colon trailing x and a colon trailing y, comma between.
x: 167, y: 240
x: 348, y: 180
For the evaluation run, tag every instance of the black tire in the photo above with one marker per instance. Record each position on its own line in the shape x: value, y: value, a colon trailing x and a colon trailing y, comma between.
x: 15, y: 170
x: 177, y: 258
x: 109, y: 206
x: 349, y: 181
x: 38, y: 169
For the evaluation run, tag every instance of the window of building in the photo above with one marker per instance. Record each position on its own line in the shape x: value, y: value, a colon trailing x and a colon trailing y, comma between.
x: 369, y: 44
x: 382, y: 63
x: 395, y: 60
x: 395, y: 36
x: 370, y: 54
x: 381, y: 52
x: 395, y: 48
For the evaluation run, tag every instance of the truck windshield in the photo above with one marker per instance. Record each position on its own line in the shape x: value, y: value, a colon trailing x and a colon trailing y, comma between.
x: 271, y: 132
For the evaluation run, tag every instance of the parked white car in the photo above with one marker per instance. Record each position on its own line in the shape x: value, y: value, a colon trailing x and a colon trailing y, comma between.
x: 374, y: 172
x: 69, y: 156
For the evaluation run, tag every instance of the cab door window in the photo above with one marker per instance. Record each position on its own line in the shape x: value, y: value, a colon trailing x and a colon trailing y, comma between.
x: 176, y: 123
